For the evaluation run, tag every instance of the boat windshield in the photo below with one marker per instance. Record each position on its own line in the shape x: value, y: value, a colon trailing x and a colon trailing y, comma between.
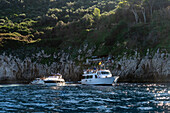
x: 104, y: 72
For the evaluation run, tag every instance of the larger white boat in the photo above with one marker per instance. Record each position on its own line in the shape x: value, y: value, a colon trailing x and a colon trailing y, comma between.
x: 55, y: 79
x: 98, y: 77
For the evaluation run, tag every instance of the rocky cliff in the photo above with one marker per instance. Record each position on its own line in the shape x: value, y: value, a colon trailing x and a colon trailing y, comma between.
x: 15, y: 69
x: 149, y: 68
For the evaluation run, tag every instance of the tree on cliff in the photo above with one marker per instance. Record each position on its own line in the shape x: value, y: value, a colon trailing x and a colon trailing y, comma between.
x: 88, y: 20
x: 96, y: 13
x: 142, y: 7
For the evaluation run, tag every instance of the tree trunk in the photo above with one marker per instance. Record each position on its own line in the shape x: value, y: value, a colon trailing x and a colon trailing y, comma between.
x: 144, y: 15
x: 136, y: 15
x: 151, y: 10
x: 151, y: 4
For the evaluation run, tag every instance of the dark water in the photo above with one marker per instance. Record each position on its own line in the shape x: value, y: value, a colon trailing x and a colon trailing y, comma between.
x: 124, y: 97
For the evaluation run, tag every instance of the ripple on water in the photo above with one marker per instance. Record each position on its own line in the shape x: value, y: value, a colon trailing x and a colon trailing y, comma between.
x: 9, y: 104
x: 124, y: 107
x: 94, y: 101
x: 11, y: 85
x: 126, y: 99
x: 80, y: 98
x: 71, y: 101
x: 145, y: 108
x: 111, y: 100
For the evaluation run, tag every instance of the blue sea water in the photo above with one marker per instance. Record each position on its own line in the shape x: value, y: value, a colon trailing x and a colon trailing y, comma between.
x: 123, y: 97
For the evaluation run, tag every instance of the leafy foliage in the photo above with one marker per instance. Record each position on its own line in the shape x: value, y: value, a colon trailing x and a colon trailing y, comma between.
x: 111, y: 26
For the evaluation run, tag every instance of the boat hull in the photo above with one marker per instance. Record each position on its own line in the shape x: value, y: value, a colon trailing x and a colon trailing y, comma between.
x: 53, y: 82
x: 100, y: 81
x: 38, y: 82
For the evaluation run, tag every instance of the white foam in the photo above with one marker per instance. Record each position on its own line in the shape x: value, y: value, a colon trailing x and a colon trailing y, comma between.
x: 144, y: 108
x: 11, y: 85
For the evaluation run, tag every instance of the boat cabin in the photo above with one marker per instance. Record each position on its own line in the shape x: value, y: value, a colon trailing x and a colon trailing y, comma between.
x: 56, y: 76
x: 92, y: 74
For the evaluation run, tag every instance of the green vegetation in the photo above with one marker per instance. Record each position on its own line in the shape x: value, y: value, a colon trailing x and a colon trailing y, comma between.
x: 112, y: 26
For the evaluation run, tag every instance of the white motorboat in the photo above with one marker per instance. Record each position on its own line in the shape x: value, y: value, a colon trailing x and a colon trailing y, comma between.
x: 38, y: 81
x: 98, y: 77
x: 55, y: 79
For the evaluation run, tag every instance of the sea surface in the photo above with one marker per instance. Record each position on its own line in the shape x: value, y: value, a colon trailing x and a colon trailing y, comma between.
x: 122, y: 97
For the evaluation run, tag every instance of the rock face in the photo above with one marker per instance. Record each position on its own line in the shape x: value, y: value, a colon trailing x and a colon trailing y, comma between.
x: 12, y: 68
x: 154, y: 68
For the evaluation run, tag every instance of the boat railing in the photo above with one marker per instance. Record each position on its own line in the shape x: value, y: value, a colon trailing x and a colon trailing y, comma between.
x: 92, y: 71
